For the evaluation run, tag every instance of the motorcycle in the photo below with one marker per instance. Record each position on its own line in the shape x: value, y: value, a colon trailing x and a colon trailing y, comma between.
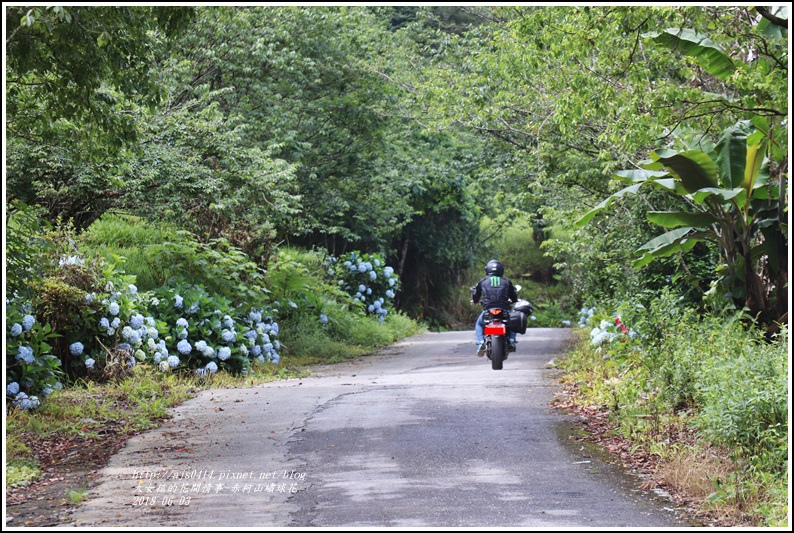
x: 497, y: 324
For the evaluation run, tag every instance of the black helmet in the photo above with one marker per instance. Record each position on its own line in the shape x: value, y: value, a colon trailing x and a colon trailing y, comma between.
x: 494, y: 268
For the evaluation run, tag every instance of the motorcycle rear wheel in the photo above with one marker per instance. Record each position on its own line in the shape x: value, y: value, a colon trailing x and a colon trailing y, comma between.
x: 498, y: 350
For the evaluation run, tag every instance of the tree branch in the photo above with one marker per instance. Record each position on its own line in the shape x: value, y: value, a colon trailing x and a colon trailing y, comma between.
x: 777, y: 21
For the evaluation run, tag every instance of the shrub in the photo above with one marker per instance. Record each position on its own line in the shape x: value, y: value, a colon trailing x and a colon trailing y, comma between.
x: 207, y: 332
x: 367, y: 279
x: 32, y: 371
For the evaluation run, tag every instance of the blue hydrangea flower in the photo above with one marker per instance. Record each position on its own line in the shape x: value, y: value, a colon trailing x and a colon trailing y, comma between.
x: 274, y: 328
x: 133, y: 289
x: 104, y: 323
x: 152, y: 332
x: 377, y: 262
x: 370, y: 308
x: 113, y: 308
x: 256, y: 350
x: 181, y: 323
x: 194, y: 307
x: 150, y: 321
x: 228, y: 322
x: 388, y: 271
x: 362, y: 288
x: 201, y: 346
x: 23, y: 401
x: 275, y: 358
x: 26, y: 354
x: 116, y: 322
x: 244, y: 350
x: 323, y: 319
x: 369, y: 291
x: 89, y: 363
x: 362, y: 268
x: 390, y: 293
x: 136, y: 322
x: 28, y: 321
x: 224, y: 353
x: 173, y: 361
x: 76, y: 348
x: 12, y: 388
x: 276, y: 345
x: 182, y: 334
x: 16, y: 329
x: 255, y: 316
x: 212, y: 367
x: 178, y: 301
x: 228, y: 336
x: 391, y: 282
x: 251, y: 334
x: 184, y: 347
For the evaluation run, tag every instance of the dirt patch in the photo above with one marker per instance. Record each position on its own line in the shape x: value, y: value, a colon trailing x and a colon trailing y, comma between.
x: 69, y: 466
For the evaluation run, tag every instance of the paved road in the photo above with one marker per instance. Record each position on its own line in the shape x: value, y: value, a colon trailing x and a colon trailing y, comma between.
x: 424, y: 434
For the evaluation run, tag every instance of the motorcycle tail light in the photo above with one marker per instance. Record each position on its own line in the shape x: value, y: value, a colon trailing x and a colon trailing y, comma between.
x: 495, y: 329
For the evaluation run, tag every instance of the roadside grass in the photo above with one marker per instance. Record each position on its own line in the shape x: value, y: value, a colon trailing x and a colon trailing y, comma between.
x: 728, y: 483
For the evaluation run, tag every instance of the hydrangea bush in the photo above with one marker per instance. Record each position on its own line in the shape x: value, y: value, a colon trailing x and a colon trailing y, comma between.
x: 367, y: 279
x: 83, y: 317
x: 605, y: 328
x: 206, y: 333
x: 32, y: 370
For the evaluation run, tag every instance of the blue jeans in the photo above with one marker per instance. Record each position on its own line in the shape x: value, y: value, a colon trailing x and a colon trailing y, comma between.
x: 479, y: 326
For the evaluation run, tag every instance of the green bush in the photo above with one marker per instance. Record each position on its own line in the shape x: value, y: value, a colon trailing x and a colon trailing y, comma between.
x: 720, y: 374
x: 367, y: 279
x: 115, y: 236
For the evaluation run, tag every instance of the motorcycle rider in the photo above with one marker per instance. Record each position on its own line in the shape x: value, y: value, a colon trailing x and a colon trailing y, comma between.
x: 494, y: 292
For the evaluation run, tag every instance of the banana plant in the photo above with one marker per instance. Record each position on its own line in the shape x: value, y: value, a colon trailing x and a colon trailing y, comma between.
x: 730, y: 200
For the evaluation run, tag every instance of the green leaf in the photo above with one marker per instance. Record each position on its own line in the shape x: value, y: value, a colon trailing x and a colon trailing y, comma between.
x: 636, y: 176
x: 673, y: 219
x: 678, y: 240
x: 732, y: 156
x: 587, y: 217
x: 694, y: 168
x: 706, y: 53
x: 666, y: 239
x: 725, y: 195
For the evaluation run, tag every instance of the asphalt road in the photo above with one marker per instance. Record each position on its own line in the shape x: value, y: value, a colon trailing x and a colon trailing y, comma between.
x: 424, y: 434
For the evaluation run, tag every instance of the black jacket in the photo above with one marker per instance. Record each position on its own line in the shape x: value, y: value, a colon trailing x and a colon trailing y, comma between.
x: 494, y: 292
